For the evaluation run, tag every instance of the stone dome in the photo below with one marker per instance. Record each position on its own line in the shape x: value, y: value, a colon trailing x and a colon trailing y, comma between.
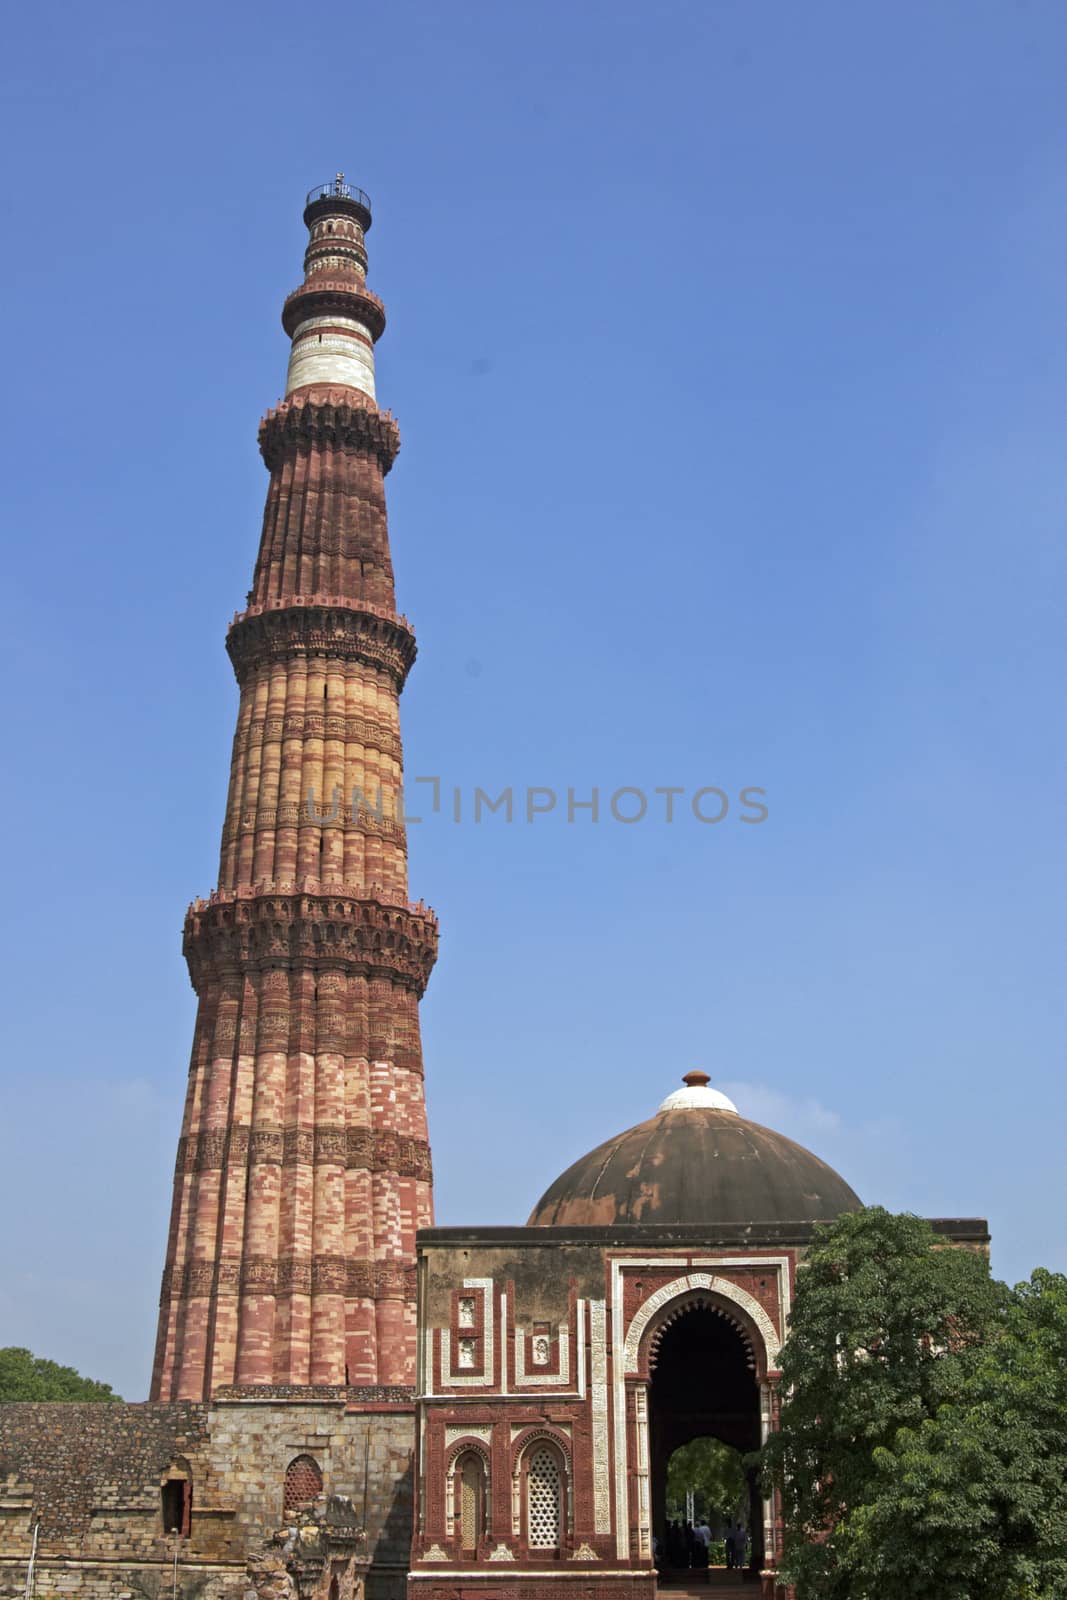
x: 696, y: 1161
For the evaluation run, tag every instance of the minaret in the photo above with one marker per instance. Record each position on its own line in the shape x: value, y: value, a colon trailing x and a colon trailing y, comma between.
x: 303, y: 1168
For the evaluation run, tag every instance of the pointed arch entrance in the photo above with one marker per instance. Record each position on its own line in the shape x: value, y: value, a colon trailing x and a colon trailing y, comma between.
x: 704, y: 1358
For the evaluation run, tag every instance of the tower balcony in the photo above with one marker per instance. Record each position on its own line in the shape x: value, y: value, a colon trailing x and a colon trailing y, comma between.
x: 338, y: 195
x: 319, y: 296
x: 376, y: 893
x: 301, y: 625
x: 338, y: 190
x: 343, y: 602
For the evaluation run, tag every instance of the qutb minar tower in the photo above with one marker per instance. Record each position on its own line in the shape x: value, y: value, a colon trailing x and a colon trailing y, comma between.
x: 303, y: 1168
x: 349, y: 1403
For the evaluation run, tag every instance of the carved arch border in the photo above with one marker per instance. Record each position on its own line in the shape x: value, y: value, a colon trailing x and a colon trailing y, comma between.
x: 466, y: 1446
x: 700, y: 1287
x: 522, y: 1442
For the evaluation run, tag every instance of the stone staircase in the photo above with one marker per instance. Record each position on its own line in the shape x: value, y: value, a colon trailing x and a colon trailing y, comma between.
x: 705, y: 1583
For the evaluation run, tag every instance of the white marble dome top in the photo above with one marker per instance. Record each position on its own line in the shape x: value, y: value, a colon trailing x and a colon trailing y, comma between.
x: 698, y: 1095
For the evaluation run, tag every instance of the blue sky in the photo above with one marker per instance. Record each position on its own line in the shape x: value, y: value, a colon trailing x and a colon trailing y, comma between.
x: 729, y: 348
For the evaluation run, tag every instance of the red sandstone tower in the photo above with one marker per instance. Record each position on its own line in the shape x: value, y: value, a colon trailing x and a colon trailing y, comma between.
x: 303, y: 1168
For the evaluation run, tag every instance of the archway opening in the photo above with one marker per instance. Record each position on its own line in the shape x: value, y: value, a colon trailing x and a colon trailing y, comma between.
x: 704, y: 1395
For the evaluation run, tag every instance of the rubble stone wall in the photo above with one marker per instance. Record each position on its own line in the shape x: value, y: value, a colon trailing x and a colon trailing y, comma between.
x: 91, y: 1477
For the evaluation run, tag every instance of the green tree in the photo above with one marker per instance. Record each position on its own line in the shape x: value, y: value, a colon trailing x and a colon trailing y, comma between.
x: 715, y: 1474
x: 972, y: 1503
x: 24, y: 1376
x: 887, y: 1327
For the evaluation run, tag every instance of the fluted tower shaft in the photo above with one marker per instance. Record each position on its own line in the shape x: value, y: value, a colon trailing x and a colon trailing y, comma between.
x: 304, y: 1166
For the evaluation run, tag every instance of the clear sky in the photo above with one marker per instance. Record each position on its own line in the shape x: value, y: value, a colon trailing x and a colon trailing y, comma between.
x: 729, y: 347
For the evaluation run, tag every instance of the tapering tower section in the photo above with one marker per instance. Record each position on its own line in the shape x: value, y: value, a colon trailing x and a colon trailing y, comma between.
x: 304, y: 1167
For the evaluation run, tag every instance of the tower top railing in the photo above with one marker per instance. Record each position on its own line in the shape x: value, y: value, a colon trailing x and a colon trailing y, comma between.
x: 339, y: 189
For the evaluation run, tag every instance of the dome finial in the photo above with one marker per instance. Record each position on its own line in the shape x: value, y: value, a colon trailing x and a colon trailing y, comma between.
x: 698, y: 1095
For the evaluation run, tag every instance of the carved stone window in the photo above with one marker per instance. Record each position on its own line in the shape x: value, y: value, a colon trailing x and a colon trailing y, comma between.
x: 542, y: 1347
x: 467, y: 1352
x: 303, y: 1483
x: 544, y: 1499
x: 466, y: 1312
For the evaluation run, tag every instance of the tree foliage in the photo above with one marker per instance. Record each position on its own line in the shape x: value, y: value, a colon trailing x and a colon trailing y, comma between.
x: 972, y: 1503
x: 714, y: 1473
x: 24, y: 1376
x: 887, y: 1328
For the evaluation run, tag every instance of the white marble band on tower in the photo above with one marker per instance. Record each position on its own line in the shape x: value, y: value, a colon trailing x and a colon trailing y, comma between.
x: 334, y: 350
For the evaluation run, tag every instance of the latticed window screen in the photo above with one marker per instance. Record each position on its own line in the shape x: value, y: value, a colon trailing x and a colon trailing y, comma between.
x: 543, y: 1500
x: 470, y: 1502
x: 303, y: 1483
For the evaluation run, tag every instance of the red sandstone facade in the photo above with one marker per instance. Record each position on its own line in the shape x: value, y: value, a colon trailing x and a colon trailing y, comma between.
x: 303, y: 1168
x: 576, y: 1360
x: 543, y: 1340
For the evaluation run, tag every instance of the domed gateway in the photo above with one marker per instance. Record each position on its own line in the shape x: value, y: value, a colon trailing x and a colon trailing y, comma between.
x: 563, y: 1364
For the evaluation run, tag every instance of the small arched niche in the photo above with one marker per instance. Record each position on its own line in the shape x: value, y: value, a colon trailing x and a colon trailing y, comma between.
x: 176, y: 1499
x: 471, y: 1498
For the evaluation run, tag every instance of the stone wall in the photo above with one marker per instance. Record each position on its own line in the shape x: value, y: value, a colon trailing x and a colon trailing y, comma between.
x: 91, y: 1476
